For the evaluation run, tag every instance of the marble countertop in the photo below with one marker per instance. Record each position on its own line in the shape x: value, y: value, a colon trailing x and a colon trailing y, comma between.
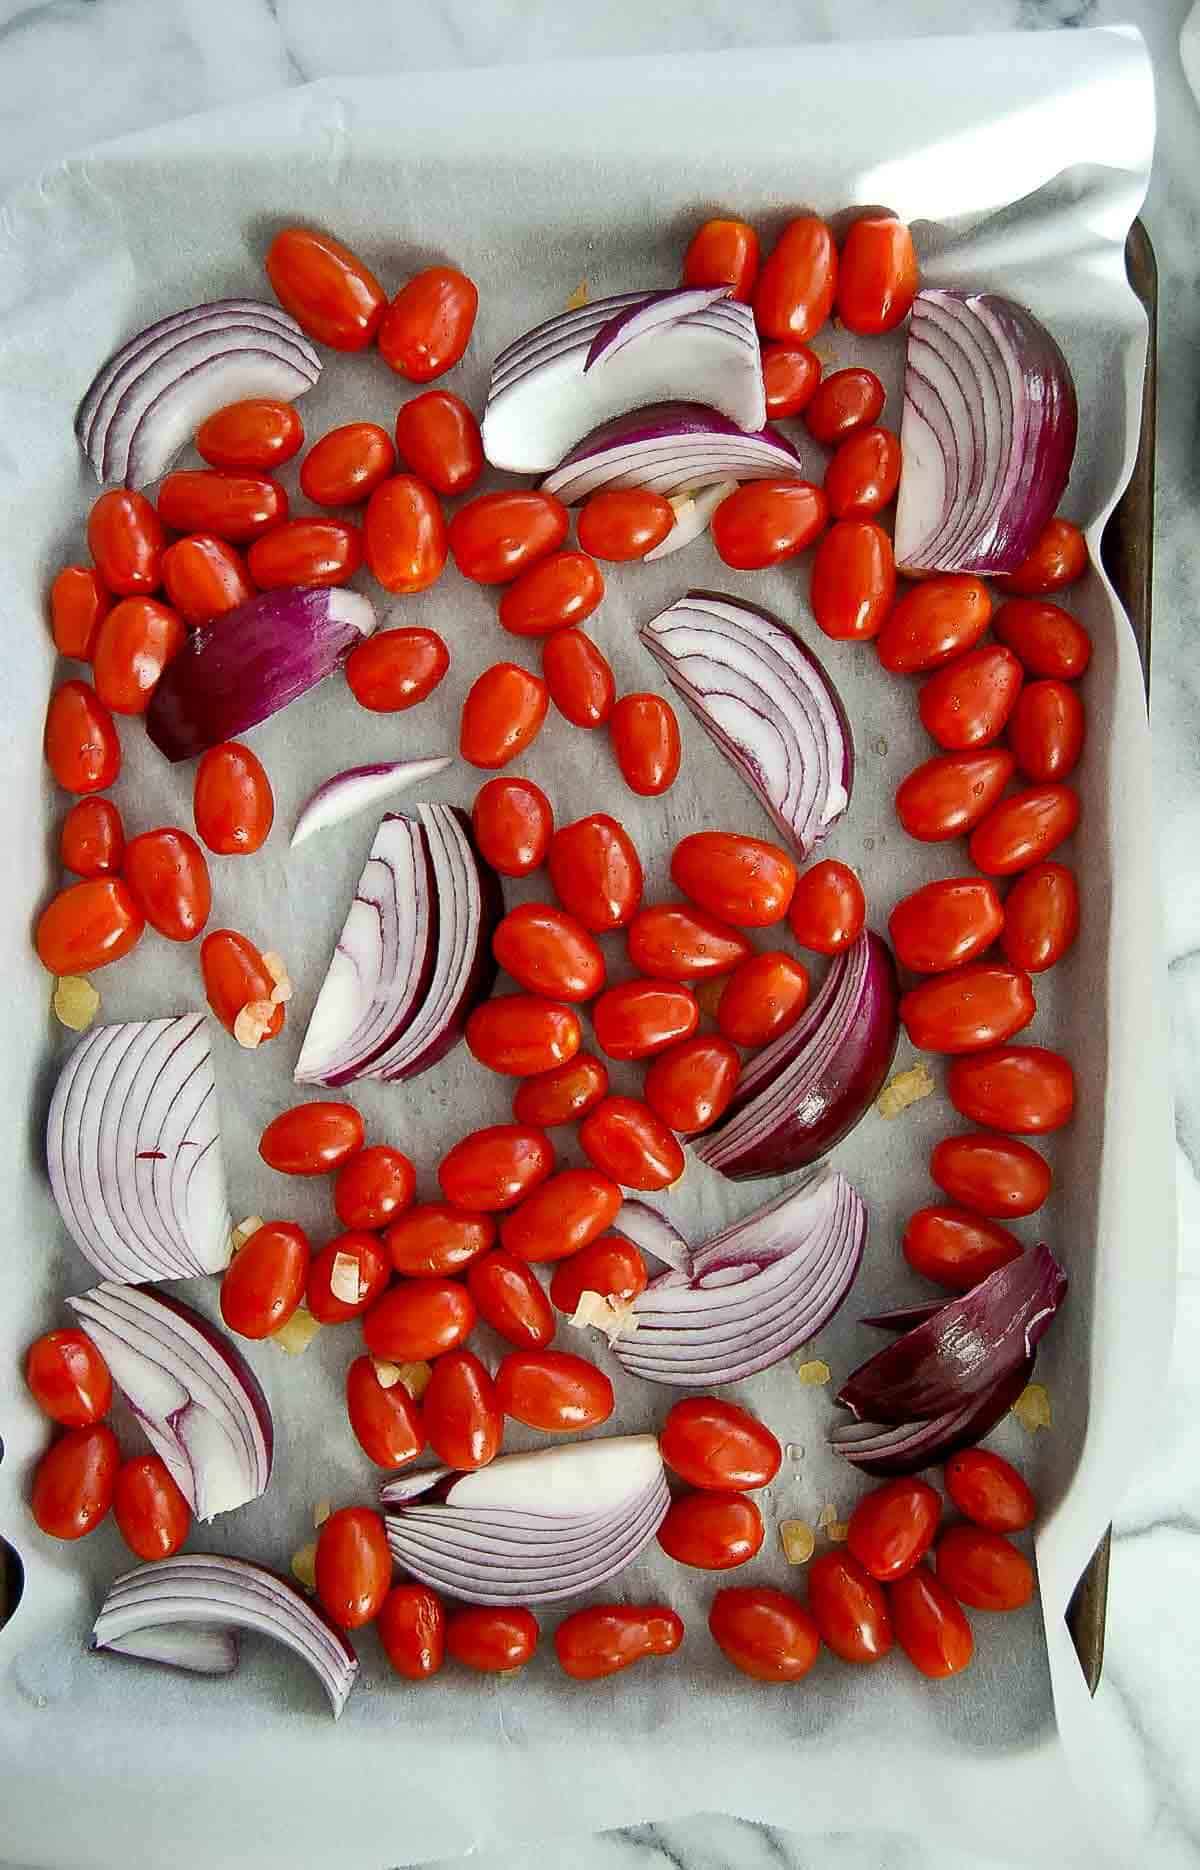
x: 98, y: 68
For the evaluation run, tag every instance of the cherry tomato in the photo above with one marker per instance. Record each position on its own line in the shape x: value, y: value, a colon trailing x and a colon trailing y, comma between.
x: 843, y: 404
x: 606, y: 1638
x: 204, y: 577
x: 967, y: 703
x: 864, y: 474
x: 1021, y: 1088
x: 563, y: 1095
x: 428, y: 324
x: 1048, y: 640
x: 988, y: 1490
x: 235, y: 976
x: 438, y: 437
x: 555, y: 592
x: 434, y: 1239
x: 892, y: 1527
x: 623, y: 523
x: 1057, y: 558
x: 764, y: 1633
x: 135, y: 642
x: 151, y: 1513
x: 233, y: 804
x: 564, y: 1215
x: 412, y: 1629
x: 74, y: 1480
x: 373, y: 1269
x: 596, y: 872
x: 794, y: 295
x: 404, y: 535
x: 690, y: 1086
x: 553, y: 1390
x: 255, y: 434
x: 723, y: 253
x: 828, y: 908
x: 462, y: 1416
x: 713, y: 1531
x: 766, y: 521
x: 353, y: 1566
x: 168, y: 879
x: 510, y: 1299
x: 68, y: 1378
x: 640, y: 1017
x: 235, y: 507
x: 419, y: 1319
x: 497, y: 536
x: 946, y: 923
x: 126, y: 539
x: 956, y: 1248
x: 520, y: 1034
x: 493, y: 1641
x: 548, y: 952
x: 623, y: 1137
x: 78, y: 602
x: 718, y: 1446
x: 306, y: 551
x: 264, y: 1281
x: 87, y: 925
x: 849, y: 1608
x: 502, y: 714
x: 1046, y: 730
x: 992, y: 1175
x: 791, y: 373
x: 930, y: 1628
x: 1024, y: 828
x: 1041, y: 917
x: 673, y: 941
x: 580, y: 680
x: 739, y: 879
x: 980, y: 1004
x: 853, y: 580
x: 645, y: 739
x: 765, y: 995
x: 387, y: 1425
x: 611, y: 1266
x: 312, y: 1139
x: 326, y: 288
x: 495, y: 1168
x: 950, y: 794
x: 512, y: 820
x: 933, y: 623
x: 347, y: 465
x: 983, y: 1569
x: 878, y: 275
x: 92, y: 839
x: 395, y: 669
x: 373, y: 1187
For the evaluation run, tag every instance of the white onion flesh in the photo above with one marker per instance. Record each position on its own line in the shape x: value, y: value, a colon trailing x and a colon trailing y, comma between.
x: 196, y: 1648
x: 693, y: 513
x: 358, y: 788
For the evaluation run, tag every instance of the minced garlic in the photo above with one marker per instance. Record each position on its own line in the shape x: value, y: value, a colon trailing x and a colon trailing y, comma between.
x: 304, y: 1566
x: 814, y: 1373
x: 276, y: 967
x: 826, y: 1517
x: 298, y: 1333
x: 75, y: 1002
x: 798, y: 1540
x: 614, y: 1317
x: 345, y: 1278
x: 838, y: 1531
x: 579, y: 298
x: 243, y: 1231
x: 253, y: 1023
x: 321, y: 1512
x: 414, y: 1377
x: 1032, y: 1407
x: 907, y: 1087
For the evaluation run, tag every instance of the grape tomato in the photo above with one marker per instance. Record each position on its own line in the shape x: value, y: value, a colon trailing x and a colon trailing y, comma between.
x: 611, y: 1266
x: 419, y: 1319
x: 719, y: 1446
x: 929, y: 1626
x: 849, y: 1608
x: 640, y: 1017
x: 312, y: 1139
x: 565, y: 1214
x: 562, y: 1095
x: 87, y: 926
x: 690, y: 1086
x: 438, y: 438
x: 795, y: 289
x: 404, y: 535
x: 386, y: 1422
x: 553, y: 1390
x: 844, y: 403
x: 510, y: 1299
x: 791, y: 373
x: 232, y: 801
x: 204, y: 577
x: 353, y: 1566
x: 674, y: 941
x: 623, y: 523
x: 828, y: 908
x: 853, y: 580
x: 738, y: 879
x: 934, y: 622
x: 1057, y: 558
x: 764, y: 1633
x: 892, y: 1527
x: 596, y: 872
x: 73, y: 1482
x: 167, y: 875
x: 983, y: 1569
x: 347, y: 465
x: 557, y: 591
x: 993, y: 1175
x: 495, y: 1168
x: 521, y: 1034
x: 412, y: 1628
x: 373, y: 1187
x: 957, y: 1248
x: 234, y: 507
x: 645, y: 739
x: 579, y: 678
x: 766, y: 521
x: 396, y: 669
x: 68, y: 1378
x: 502, y: 714
x: 371, y: 1271
x: 436, y: 1238
x: 723, y: 253
x: 136, y: 640
x: 878, y: 275
x: 428, y: 325
x: 326, y: 288
x: 988, y: 1490
x: 78, y: 602
x: 625, y: 1139
x: 765, y: 994
x: 126, y: 540
x: 461, y: 1412
x: 151, y: 1513
x: 497, y: 536
x: 943, y: 924
x: 1041, y: 916
x: 606, y: 1638
x: 864, y: 474
x: 255, y: 434
x: 712, y: 1531
x: 493, y: 1641
x: 264, y: 1282
x: 549, y: 952
x: 92, y: 838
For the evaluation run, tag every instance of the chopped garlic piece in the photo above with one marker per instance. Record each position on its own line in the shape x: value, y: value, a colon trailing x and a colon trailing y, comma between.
x: 827, y: 1517
x: 321, y: 1512
x: 708, y: 993
x: 838, y: 1531
x: 243, y: 1231
x: 579, y: 297
x: 75, y: 1002
x: 415, y: 1378
x: 298, y: 1333
x: 814, y: 1373
x: 907, y: 1087
x: 1032, y: 1407
x: 304, y: 1566
x: 253, y: 1023
x: 387, y: 1374
x: 614, y: 1317
x: 276, y: 967
x: 345, y: 1278
x: 794, y: 1451
x: 798, y: 1540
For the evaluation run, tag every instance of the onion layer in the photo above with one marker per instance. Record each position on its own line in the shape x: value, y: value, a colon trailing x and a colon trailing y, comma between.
x: 359, y: 787
x: 670, y: 448
x: 887, y: 1448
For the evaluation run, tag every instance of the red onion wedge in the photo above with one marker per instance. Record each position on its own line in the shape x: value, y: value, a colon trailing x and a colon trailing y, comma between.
x: 807, y: 1089
x: 195, y: 1588
x: 754, y: 1293
x: 887, y: 1448
x: 671, y: 448
x: 413, y: 957
x: 197, y: 1648
x: 903, y: 1317
x: 194, y: 1395
x: 246, y: 665
x: 766, y: 701
x: 653, y: 1233
x: 534, y: 1528
x: 987, y: 435
x: 358, y: 788
x: 557, y: 383
x: 134, y: 1151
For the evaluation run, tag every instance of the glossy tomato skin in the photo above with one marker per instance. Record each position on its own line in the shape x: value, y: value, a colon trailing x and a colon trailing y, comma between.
x: 794, y: 294
x: 957, y: 1248
x: 502, y: 714
x: 412, y: 1629
x: 374, y: 1269
x: 78, y: 602
x: 934, y: 622
x: 993, y: 1175
x: 640, y: 1017
x: 845, y: 402
x: 553, y: 1390
x: 494, y: 1641
x: 1046, y: 732
x: 462, y: 1415
x: 828, y: 909
x: 878, y: 275
x: 204, y: 577
x: 864, y: 474
x: 74, y: 1480
x: 553, y: 593
x: 353, y: 1566
x: 611, y: 1266
x: 624, y: 523
x: 387, y: 1425
x: 511, y: 1300
x: 87, y: 925
x: 949, y: 795
x: 513, y: 821
x: 892, y: 1527
x: 265, y: 1280
x: 497, y: 536
x: 134, y: 644
x: 548, y: 952
x: 168, y: 878
x: 1057, y: 558
x: 232, y: 803
x: 92, y: 840
x: 255, y: 434
x: 435, y: 1239
x: 312, y: 1139
x: 1024, y: 828
x: 126, y: 539
x: 691, y: 1085
x: 374, y: 1187
x: 791, y: 373
x: 943, y: 924
x: 988, y: 1491
x: 233, y: 507
x: 645, y: 740
x: 68, y: 1378
x: 673, y: 941
x: 495, y: 1168
x: 765, y: 994
x: 306, y: 551
x: 712, y: 1531
x: 521, y: 1034
x: 718, y: 1446
x: 983, y: 1569
x: 853, y: 580
x: 624, y: 1138
x: 764, y: 1633
x: 1025, y: 1089
x: 151, y: 1513
x: 929, y: 1626
x: 968, y: 703
x: 419, y: 1319
x: 565, y: 1214
x: 739, y: 879
x: 1041, y: 916
x: 1048, y: 640
x: 596, y: 872
x: 404, y: 535
x: 395, y: 669
x: 235, y: 974
x: 326, y: 288
x: 849, y: 1608
x: 766, y: 521
x: 580, y: 679
x: 980, y: 1004
x: 563, y: 1095
x: 605, y: 1638
x: 347, y: 465
x: 723, y: 253
x: 438, y: 437
x: 428, y: 324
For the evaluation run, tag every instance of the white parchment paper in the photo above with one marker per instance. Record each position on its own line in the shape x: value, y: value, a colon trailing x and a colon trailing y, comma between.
x: 1022, y: 162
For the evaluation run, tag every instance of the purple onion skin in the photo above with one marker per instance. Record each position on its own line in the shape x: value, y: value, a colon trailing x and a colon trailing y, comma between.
x: 937, y: 1446
x: 242, y: 1373
x: 904, y: 1317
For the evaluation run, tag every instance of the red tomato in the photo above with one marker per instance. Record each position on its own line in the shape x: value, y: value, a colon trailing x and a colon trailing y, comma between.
x: 374, y: 1187
x: 520, y: 1034
x: 596, y: 872
x: 623, y: 523
x: 1024, y: 828
x: 151, y: 1513
x: 434, y: 1239
x: 993, y: 1175
x: 168, y: 879
x: 126, y: 539
x: 643, y: 1016
x: 623, y: 1137
x: 791, y: 373
x: 353, y: 1566
x: 404, y: 535
x: 78, y: 602
x: 264, y: 1281
x: 1049, y: 641
x: 766, y: 521
x: 510, y: 1299
x: 428, y: 324
x: 967, y: 703
x: 849, y: 1608
x: 497, y: 536
x: 864, y: 474
x: 419, y: 1319
x: 395, y: 669
x: 556, y: 591
x: 387, y: 1425
x: 613, y: 1267
x: 68, y: 1378
x: 73, y: 1482
x: 235, y: 507
x: 581, y: 682
x: 258, y: 433
x: 878, y: 275
x: 934, y: 622
x: 828, y: 908
x: 956, y: 1248
x: 723, y: 253
x: 1021, y: 1088
x: 92, y: 839
x: 1046, y: 731
x: 673, y: 941
x: 606, y: 1638
x: 930, y: 1628
x: 853, y: 580
x: 741, y: 880
x: 512, y: 820
x: 718, y: 1446
x: 371, y: 1271
x: 794, y: 295
x: 564, y: 1215
x: 412, y: 1629
x: 766, y: 994
x: 87, y: 925
x: 981, y: 1004
x: 983, y: 1569
x: 204, y: 577
x: 134, y: 644
x: 1041, y: 916
x: 493, y: 1641
x: 988, y: 1490
x: 690, y: 1086
x: 462, y: 1415
x: 232, y: 803
x: 548, y: 952
x: 438, y: 436
x: 713, y: 1531
x: 306, y: 551
x: 563, y: 1095
x: 235, y: 976
x: 945, y: 923
x: 645, y: 739
x: 311, y: 1139
x: 326, y: 288
x: 495, y: 1168
x: 553, y: 1390
x: 845, y: 402
x: 347, y: 465
x: 948, y: 795
x: 502, y: 714
x: 764, y: 1633
x: 1057, y: 558
x: 892, y: 1527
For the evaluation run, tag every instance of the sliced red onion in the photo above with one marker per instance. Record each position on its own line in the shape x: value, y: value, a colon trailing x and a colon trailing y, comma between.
x: 645, y: 1228
x: 655, y: 313
x: 693, y: 511
x: 671, y: 448
x: 196, y: 1588
x: 891, y: 1448
x: 807, y: 1089
x: 413, y: 1484
x: 197, y: 1648
x: 247, y: 664
x: 766, y: 701
x: 162, y: 329
x: 133, y: 1148
x: 903, y: 1317
x: 987, y: 435
x: 359, y: 787
x: 195, y: 1396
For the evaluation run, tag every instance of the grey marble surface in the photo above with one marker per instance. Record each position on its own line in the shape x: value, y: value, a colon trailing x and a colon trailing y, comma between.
x: 75, y: 71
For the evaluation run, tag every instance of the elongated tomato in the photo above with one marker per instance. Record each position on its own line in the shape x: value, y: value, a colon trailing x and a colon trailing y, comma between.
x: 946, y: 923
x: 126, y: 539
x: 765, y: 994
x: 957, y: 1248
x: 151, y: 1513
x: 553, y: 1390
x: 828, y: 908
x: 674, y: 941
x: 1048, y: 640
x: 988, y: 1490
x: 522, y: 1034
x: 234, y: 507
x: 864, y: 474
x: 739, y: 879
x: 435, y: 1238
x: 934, y: 622
x: 497, y: 535
x: 645, y: 739
x: 74, y: 1481
x: 404, y: 535
x: 1047, y: 730
x: 766, y: 521
x: 1058, y: 557
x: 596, y: 872
x: 312, y: 1139
x: 691, y: 1085
x: 580, y: 679
x: 510, y: 1299
x: 981, y: 1004
x: 606, y: 1638
x: 81, y: 744
x: 357, y: 1263
x: 412, y: 1629
x: 92, y: 838
x: 78, y: 602
x: 373, y: 1187
x: 419, y: 1319
x: 69, y: 1379
x: 438, y: 436
x: 232, y: 802
x: 495, y: 1168
x: 844, y: 403
x: 640, y: 1017
x: 494, y: 1641
x: 347, y: 465
x: 853, y: 580
x: 306, y: 551
x: 983, y: 1569
x: 88, y: 925
x: 611, y: 1266
x: 713, y: 1531
x: 623, y: 523
x: 265, y: 1280
x: 878, y: 274
x: 992, y: 1175
x: 548, y: 952
x: 353, y: 1566
x: 717, y: 1445
x: 557, y: 591
x: 624, y: 1138
x: 849, y: 1608
x: 513, y: 821
x: 893, y: 1526
x: 1024, y: 828
x: 168, y: 878
x: 950, y: 794
x: 204, y: 577
x: 1041, y: 916
x: 930, y: 1628
x: 791, y: 373
x: 566, y: 1213
x: 325, y: 287
x: 502, y: 714
x: 794, y: 294
x: 723, y: 253
x: 428, y: 324
x: 1022, y: 1088
x: 461, y: 1412
x: 562, y: 1095
x: 236, y: 977
x: 386, y: 1422
x: 764, y: 1633
x: 396, y: 669
x: 257, y: 433
x: 136, y: 640
x: 967, y: 703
